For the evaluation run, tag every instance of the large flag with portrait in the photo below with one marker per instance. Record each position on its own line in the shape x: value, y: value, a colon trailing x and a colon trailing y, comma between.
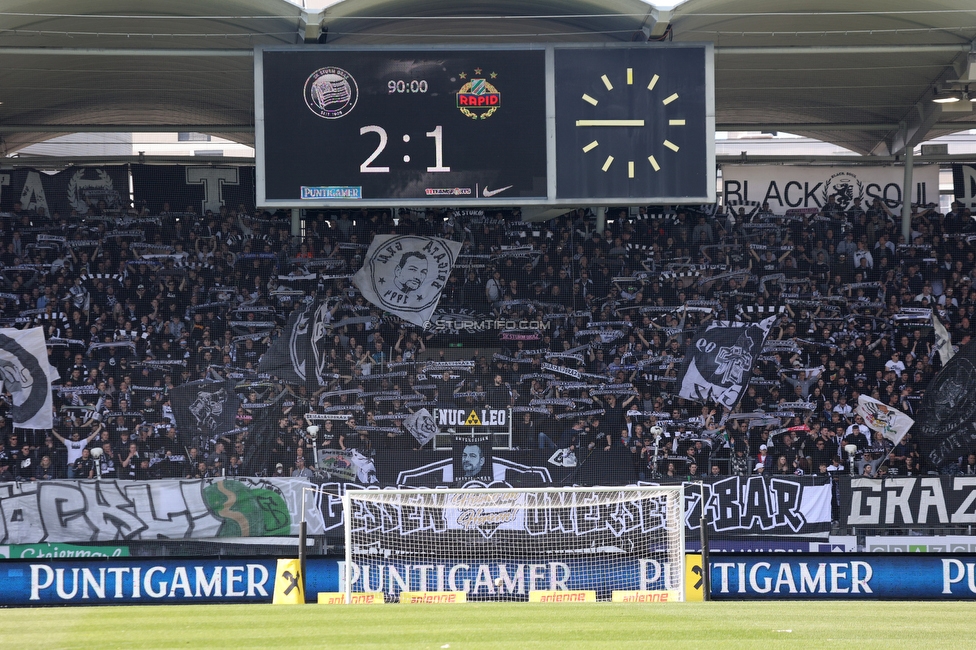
x: 204, y: 409
x: 405, y: 274
x: 26, y: 374
x: 717, y: 367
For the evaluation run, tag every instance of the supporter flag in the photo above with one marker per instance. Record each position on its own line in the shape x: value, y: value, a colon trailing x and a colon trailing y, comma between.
x: 892, y: 423
x: 347, y: 465
x: 943, y: 343
x: 261, y: 434
x: 718, y: 365
x: 421, y: 426
x: 405, y: 274
x: 26, y: 374
x: 299, y: 355
x: 204, y: 409
x: 945, y: 422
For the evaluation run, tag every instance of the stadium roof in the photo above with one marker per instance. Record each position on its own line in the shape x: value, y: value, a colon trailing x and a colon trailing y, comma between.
x: 843, y: 72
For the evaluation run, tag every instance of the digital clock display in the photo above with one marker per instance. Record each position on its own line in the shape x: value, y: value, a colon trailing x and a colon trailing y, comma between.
x: 412, y: 86
x: 391, y: 127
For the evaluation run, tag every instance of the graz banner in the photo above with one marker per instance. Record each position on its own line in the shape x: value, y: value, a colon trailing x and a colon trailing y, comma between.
x: 929, y: 501
x: 786, y: 186
x: 26, y: 374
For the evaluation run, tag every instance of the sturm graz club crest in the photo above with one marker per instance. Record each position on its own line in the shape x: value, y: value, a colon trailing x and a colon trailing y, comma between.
x: 331, y: 93
x: 207, y: 409
x: 844, y: 187
x: 85, y: 192
x: 21, y: 375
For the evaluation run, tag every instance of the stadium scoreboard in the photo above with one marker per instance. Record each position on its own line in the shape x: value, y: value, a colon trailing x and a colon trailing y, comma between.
x: 476, y: 126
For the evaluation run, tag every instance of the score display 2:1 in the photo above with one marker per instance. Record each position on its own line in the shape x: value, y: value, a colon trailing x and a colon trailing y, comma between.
x: 437, y: 134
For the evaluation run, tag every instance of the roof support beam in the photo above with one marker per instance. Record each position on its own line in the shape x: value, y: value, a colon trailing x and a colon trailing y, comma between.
x: 840, y: 49
x: 793, y: 127
x: 310, y: 26
x: 914, y: 128
x: 121, y: 51
x: 126, y: 128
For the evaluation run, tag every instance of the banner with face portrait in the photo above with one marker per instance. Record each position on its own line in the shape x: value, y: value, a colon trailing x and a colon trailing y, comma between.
x: 473, y: 459
x: 26, y: 374
x: 405, y: 274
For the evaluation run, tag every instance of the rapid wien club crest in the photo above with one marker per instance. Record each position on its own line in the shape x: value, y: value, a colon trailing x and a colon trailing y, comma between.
x: 478, y: 98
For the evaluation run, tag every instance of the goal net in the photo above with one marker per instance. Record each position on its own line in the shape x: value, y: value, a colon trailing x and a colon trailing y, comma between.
x: 502, y: 544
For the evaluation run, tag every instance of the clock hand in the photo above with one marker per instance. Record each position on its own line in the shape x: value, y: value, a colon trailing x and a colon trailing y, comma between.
x: 609, y: 122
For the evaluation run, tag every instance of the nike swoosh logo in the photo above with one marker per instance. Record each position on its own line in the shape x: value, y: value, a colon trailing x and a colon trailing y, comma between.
x: 490, y: 193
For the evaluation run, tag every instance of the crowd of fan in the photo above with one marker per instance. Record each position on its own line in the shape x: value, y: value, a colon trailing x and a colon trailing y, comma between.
x: 135, y: 304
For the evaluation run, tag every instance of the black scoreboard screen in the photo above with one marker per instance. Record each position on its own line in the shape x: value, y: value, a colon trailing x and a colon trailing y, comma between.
x: 480, y: 126
x: 423, y: 125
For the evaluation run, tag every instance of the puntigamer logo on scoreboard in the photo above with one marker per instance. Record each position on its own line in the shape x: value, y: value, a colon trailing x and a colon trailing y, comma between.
x: 332, y: 192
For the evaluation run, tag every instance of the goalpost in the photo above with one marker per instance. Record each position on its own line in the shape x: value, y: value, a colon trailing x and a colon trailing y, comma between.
x: 502, y: 544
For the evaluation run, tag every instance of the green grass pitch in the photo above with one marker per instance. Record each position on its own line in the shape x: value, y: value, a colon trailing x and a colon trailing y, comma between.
x: 725, y: 625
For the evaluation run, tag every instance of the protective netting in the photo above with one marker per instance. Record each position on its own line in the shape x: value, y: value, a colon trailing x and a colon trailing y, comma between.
x: 502, y: 544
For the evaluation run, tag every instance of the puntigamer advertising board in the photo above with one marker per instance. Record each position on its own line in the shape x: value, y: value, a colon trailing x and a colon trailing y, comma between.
x: 733, y: 577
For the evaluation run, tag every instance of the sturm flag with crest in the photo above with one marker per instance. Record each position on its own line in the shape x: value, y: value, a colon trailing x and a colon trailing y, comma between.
x: 719, y: 363
x: 421, y: 426
x: 943, y: 343
x: 204, y: 409
x: 892, y: 423
x: 26, y: 374
x: 405, y: 274
x: 299, y: 356
x: 945, y: 420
